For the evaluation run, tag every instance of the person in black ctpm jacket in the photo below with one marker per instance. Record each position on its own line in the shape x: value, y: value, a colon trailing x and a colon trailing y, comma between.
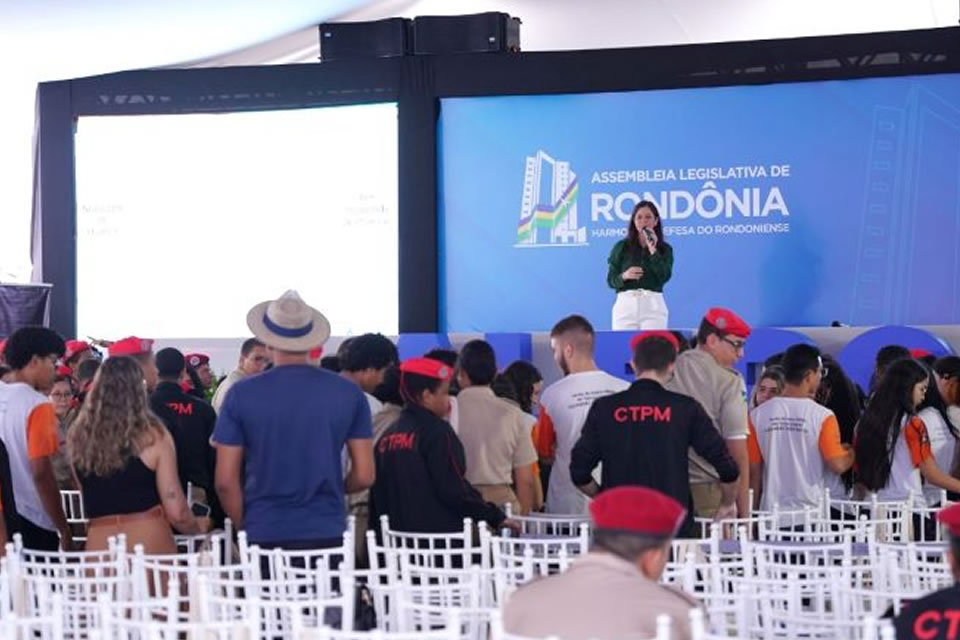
x: 642, y: 435
x: 190, y: 421
x: 420, y: 481
x: 937, y: 616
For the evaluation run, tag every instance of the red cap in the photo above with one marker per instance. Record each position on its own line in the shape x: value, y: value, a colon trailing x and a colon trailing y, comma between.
x: 637, y: 510
x: 728, y: 322
x: 3, y: 343
x: 196, y: 359
x: 427, y: 367
x: 950, y: 516
x: 75, y: 347
x: 644, y: 335
x: 316, y: 353
x: 132, y: 346
x: 920, y: 353
x: 64, y: 370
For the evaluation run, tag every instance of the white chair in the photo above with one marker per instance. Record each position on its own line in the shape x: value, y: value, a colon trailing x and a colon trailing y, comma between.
x: 35, y: 627
x: 437, y: 550
x: 426, y: 595
x: 38, y: 579
x: 222, y: 598
x: 161, y: 619
x: 519, y: 560
x: 449, y: 631
x: 915, y: 567
x: 72, y: 503
x: 545, y: 525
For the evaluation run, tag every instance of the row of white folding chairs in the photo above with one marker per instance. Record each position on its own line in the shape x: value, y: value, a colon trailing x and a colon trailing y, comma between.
x: 473, y: 570
x: 156, y: 620
x: 80, y: 578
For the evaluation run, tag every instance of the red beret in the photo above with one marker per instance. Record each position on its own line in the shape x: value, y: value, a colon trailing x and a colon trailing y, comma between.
x: 196, y: 359
x: 74, y: 347
x: 64, y: 370
x: 637, y: 510
x: 427, y: 367
x: 132, y: 346
x: 643, y: 335
x: 728, y: 322
x: 919, y: 353
x: 950, y: 516
x: 316, y: 353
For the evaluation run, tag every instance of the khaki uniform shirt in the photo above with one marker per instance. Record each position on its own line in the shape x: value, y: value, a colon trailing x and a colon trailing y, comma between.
x: 723, y: 395
x: 497, y: 437
x: 601, y: 596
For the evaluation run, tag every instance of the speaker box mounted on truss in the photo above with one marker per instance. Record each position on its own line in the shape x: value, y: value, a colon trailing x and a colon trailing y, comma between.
x: 375, y: 39
x: 480, y: 32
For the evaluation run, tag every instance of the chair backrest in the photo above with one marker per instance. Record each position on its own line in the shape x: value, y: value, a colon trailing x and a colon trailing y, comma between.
x: 450, y: 630
x: 48, y: 626
x: 426, y: 595
x: 161, y: 619
x: 275, y: 602
x: 544, y: 525
x: 437, y: 550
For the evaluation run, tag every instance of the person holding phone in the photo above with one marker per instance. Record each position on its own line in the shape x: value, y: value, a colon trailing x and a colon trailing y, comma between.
x: 638, y: 268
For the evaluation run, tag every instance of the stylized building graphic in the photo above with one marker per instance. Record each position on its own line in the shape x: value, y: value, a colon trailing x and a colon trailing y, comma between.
x: 549, y: 219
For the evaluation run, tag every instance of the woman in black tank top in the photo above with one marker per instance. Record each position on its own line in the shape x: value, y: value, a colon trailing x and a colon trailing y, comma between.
x: 126, y: 464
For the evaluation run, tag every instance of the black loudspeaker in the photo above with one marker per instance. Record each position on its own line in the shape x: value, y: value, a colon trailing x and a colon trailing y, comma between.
x: 466, y: 34
x: 377, y: 39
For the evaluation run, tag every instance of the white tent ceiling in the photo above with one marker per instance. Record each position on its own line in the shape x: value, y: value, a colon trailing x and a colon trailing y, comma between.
x: 55, y: 39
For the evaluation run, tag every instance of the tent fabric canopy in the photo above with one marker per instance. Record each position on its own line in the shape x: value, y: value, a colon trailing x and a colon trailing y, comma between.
x: 54, y: 39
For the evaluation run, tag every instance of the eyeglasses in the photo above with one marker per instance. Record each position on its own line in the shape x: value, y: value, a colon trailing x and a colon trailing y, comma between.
x: 61, y: 394
x: 737, y: 346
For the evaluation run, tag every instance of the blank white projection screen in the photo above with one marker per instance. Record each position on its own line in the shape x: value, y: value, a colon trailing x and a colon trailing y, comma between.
x: 186, y: 221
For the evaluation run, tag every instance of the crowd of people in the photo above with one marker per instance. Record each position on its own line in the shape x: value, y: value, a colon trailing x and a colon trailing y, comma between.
x: 291, y: 442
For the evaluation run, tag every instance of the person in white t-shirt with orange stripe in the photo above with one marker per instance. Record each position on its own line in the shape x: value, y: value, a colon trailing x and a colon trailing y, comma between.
x: 794, y: 443
x: 564, y: 406
x: 28, y: 429
x: 891, y: 417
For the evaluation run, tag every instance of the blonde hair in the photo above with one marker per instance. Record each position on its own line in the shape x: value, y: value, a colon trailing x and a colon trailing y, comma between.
x: 115, y: 421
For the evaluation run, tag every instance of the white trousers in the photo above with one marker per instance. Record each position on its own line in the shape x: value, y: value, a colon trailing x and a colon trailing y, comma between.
x: 640, y: 309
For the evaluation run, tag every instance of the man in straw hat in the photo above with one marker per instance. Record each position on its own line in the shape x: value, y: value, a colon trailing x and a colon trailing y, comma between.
x: 279, y: 436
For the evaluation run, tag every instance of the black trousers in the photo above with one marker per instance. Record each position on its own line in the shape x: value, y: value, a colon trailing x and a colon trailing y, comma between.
x: 38, y: 538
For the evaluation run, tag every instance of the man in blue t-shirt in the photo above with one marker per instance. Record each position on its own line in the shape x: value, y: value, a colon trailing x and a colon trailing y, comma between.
x: 279, y: 435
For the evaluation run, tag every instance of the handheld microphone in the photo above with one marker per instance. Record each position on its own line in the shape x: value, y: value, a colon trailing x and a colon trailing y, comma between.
x: 648, y: 233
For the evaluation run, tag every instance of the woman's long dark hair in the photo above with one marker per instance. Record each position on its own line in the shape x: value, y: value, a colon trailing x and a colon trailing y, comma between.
x: 523, y: 375
x: 840, y: 394
x: 948, y: 367
x: 633, y: 236
x: 879, y: 426
x: 934, y: 400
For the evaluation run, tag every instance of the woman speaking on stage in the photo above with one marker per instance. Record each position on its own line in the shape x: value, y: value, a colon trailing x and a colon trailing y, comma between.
x: 639, y: 266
